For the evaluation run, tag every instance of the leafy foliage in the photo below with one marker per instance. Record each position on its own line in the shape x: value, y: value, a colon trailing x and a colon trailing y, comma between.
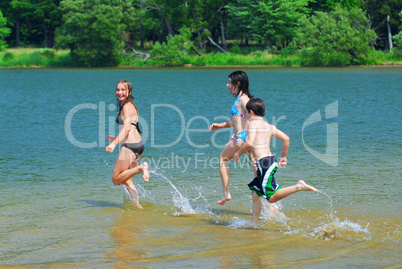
x: 92, y: 30
x: 338, y: 38
x: 270, y: 21
x: 96, y: 31
x: 175, y: 52
x: 4, y: 32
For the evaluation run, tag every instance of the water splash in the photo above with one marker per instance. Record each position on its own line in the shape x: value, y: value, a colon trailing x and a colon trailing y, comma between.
x: 129, y: 193
x: 179, y: 200
x: 337, y: 229
x: 236, y: 223
x: 330, y: 203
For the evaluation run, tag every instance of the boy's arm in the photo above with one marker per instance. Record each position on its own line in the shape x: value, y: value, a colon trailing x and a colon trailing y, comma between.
x: 285, y: 144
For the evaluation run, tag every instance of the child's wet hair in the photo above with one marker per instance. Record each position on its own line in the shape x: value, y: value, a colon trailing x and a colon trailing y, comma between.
x: 241, y: 77
x: 257, y: 105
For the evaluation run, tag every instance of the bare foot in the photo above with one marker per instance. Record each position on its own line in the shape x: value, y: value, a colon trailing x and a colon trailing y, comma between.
x: 304, y: 187
x: 133, y: 195
x: 145, y: 172
x: 274, y: 208
x: 226, y: 197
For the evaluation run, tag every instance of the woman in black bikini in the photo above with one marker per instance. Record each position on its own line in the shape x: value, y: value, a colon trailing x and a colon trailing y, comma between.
x: 132, y: 146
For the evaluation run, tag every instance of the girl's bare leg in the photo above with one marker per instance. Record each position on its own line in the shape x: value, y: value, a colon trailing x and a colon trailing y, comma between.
x: 126, y: 167
x: 129, y: 173
x: 133, y: 193
x: 226, y: 155
x: 284, y: 192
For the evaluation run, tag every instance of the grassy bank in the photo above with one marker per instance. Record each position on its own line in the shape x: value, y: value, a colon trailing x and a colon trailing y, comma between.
x: 31, y: 57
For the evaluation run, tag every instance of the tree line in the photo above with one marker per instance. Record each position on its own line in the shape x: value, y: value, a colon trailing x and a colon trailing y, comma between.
x: 101, y: 32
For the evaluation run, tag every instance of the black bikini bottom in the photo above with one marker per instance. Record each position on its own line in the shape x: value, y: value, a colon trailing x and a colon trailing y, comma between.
x: 136, y: 148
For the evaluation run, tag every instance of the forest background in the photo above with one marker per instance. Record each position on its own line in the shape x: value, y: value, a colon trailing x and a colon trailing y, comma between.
x: 96, y: 33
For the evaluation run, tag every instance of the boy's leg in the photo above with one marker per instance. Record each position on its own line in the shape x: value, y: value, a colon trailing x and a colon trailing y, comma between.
x: 284, y: 192
x: 256, y: 207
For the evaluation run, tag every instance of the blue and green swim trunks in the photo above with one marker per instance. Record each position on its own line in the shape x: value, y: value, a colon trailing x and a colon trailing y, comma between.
x: 264, y: 183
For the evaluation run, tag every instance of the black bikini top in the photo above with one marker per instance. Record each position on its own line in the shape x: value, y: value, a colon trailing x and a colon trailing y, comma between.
x: 120, y: 120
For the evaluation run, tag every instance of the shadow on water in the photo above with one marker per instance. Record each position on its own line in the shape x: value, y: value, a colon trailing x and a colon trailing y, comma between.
x: 96, y: 203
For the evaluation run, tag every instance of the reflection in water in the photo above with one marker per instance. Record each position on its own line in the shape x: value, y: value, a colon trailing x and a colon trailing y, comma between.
x: 159, y: 237
x: 60, y: 209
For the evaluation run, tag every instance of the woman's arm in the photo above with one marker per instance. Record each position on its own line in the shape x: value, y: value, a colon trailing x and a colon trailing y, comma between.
x: 129, y: 113
x: 215, y: 126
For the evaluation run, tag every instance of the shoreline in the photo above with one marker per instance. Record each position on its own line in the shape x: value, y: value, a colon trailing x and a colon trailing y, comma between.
x: 384, y: 65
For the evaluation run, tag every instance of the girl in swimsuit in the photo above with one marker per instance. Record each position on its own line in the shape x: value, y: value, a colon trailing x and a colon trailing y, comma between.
x: 238, y: 85
x: 126, y: 165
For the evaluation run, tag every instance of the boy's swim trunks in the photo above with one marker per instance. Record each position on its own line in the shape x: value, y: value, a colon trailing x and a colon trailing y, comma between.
x: 264, y: 183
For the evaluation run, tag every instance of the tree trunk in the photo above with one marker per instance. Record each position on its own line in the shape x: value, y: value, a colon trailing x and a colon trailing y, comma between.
x: 141, y: 35
x: 141, y: 28
x: 390, y: 45
x: 45, y: 32
x: 196, y: 51
x: 17, y: 32
x: 168, y: 26
x: 201, y: 41
x: 216, y: 45
x: 223, y: 36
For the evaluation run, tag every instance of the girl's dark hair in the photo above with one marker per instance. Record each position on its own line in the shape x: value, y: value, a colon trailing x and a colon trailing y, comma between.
x: 241, y: 76
x: 129, y: 87
x: 257, y: 105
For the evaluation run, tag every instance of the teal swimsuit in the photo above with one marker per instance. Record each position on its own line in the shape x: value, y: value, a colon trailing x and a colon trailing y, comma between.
x: 235, y: 112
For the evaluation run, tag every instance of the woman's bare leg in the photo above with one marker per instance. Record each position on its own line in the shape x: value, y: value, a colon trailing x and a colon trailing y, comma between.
x: 133, y: 193
x: 226, y: 155
x: 126, y: 167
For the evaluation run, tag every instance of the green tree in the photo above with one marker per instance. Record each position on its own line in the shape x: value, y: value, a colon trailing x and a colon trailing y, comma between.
x: 378, y: 11
x: 338, y: 38
x: 175, y: 52
x: 273, y: 22
x: 20, y: 10
x: 239, y: 14
x: 33, y: 22
x: 4, y: 32
x: 330, y: 5
x: 47, y: 18
x: 398, y: 39
x: 92, y: 30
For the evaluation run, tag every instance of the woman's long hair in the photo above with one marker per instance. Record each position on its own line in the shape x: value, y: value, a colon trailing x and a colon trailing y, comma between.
x: 240, y: 76
x: 130, y: 98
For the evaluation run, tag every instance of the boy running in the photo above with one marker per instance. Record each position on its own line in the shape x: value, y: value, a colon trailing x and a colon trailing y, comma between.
x: 258, y: 140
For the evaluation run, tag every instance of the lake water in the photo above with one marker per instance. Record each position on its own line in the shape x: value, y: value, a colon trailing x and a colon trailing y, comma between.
x: 59, y: 208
